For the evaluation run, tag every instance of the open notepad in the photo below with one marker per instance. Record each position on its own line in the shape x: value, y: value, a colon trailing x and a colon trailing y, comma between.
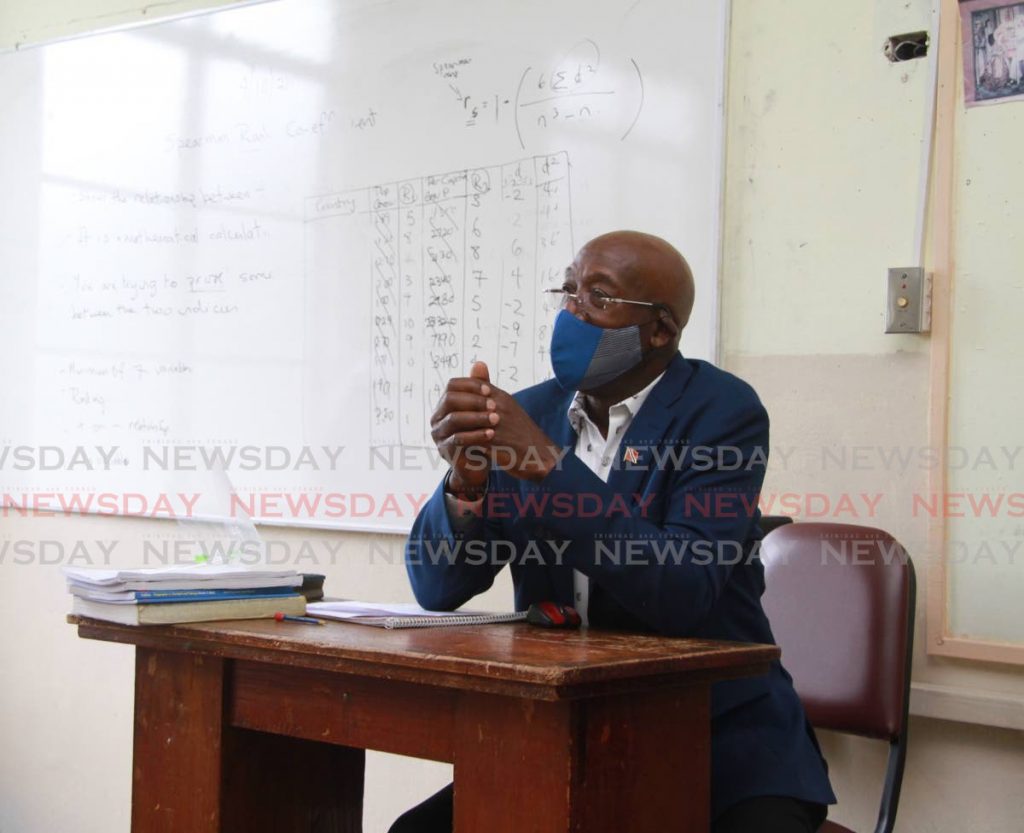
x: 405, y: 615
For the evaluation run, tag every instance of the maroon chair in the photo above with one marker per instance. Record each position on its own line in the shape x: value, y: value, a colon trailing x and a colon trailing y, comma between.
x: 840, y: 600
x: 769, y: 523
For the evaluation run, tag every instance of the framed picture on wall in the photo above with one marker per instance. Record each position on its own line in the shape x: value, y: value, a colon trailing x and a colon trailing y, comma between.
x: 993, y: 39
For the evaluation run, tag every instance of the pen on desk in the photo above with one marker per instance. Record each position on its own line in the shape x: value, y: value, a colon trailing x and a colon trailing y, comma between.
x: 305, y: 620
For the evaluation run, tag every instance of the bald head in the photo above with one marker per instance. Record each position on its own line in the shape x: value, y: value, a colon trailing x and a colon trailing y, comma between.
x: 651, y: 269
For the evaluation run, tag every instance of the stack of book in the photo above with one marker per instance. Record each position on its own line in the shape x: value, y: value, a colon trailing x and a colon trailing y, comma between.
x: 193, y: 593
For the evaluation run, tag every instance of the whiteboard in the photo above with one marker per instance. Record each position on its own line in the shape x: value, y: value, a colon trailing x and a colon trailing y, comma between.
x: 242, y: 253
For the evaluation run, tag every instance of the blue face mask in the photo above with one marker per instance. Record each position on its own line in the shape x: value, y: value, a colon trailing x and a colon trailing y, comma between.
x: 585, y: 356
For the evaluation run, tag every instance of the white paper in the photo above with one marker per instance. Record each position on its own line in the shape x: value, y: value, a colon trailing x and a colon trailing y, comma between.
x: 201, y: 572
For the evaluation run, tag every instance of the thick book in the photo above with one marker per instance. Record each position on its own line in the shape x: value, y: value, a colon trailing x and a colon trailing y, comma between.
x: 392, y: 616
x: 131, y: 597
x: 177, y: 613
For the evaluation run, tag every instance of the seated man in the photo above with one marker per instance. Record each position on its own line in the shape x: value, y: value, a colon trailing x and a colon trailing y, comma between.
x: 637, y: 471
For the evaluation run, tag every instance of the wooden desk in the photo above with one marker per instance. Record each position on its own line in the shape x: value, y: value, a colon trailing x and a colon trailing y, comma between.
x: 260, y: 726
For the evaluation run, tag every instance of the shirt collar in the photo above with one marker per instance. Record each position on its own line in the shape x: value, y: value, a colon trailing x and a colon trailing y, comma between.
x: 578, y: 412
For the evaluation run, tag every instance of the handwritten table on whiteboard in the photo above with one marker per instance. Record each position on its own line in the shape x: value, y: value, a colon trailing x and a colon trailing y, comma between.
x: 455, y: 261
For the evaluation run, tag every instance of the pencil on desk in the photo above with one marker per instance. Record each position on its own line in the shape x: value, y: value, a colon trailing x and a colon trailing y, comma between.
x: 304, y: 620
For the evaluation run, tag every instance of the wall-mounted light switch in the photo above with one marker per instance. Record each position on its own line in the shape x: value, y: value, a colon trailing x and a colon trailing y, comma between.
x: 908, y: 307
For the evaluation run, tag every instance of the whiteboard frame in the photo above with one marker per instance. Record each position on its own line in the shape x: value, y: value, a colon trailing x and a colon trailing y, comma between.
x: 134, y: 24
x: 719, y: 144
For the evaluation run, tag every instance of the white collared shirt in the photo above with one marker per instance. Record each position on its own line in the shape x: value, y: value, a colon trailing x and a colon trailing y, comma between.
x: 598, y: 454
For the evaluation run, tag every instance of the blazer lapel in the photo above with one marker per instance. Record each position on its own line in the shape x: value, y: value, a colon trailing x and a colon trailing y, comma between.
x: 649, y: 431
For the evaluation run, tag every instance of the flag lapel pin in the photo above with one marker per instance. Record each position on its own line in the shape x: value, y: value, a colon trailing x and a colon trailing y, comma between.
x: 631, y: 455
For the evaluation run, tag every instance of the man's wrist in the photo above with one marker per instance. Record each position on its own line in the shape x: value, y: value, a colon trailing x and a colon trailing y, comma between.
x: 464, y: 494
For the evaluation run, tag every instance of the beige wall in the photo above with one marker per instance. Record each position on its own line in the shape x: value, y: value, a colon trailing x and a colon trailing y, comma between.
x: 822, y: 195
x: 824, y: 140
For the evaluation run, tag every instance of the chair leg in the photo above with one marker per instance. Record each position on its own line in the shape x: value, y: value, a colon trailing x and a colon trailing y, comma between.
x: 893, y: 782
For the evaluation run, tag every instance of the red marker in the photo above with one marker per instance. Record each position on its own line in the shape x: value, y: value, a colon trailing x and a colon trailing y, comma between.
x: 305, y: 620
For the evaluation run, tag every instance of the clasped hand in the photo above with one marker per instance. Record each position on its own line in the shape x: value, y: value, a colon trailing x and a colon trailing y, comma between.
x: 476, y: 426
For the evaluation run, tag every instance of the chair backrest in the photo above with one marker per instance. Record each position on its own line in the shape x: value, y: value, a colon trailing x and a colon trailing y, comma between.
x: 840, y: 600
x: 768, y: 523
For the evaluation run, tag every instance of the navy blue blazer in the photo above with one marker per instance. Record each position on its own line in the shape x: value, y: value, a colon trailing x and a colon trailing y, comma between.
x: 669, y: 544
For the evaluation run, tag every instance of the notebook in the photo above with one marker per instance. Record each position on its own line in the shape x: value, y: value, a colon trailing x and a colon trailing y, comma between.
x: 392, y: 616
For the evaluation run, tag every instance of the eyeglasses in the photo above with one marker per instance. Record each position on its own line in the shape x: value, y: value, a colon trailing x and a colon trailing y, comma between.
x: 600, y: 300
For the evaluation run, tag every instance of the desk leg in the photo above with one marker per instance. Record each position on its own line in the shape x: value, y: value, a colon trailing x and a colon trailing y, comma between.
x: 176, y: 767
x: 192, y: 772
x: 636, y: 762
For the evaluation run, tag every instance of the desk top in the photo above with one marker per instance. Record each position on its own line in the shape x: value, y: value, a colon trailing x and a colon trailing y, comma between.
x: 515, y: 659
